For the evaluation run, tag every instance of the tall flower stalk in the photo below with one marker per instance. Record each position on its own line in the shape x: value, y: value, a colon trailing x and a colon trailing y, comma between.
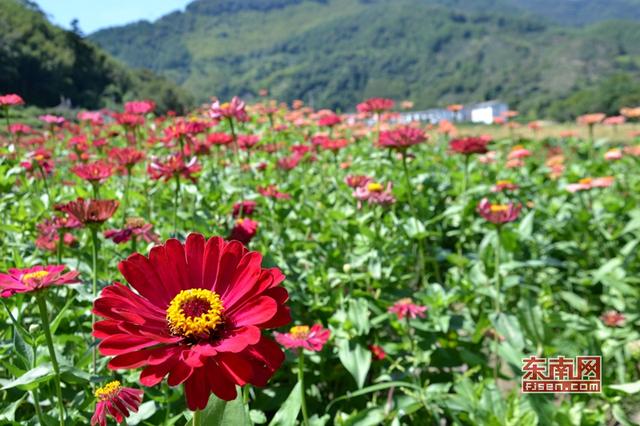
x: 44, y: 316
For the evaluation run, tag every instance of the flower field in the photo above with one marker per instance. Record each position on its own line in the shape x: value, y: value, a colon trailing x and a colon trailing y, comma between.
x: 271, y: 264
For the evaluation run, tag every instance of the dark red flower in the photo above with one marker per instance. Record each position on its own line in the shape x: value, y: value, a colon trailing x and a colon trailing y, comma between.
x: 468, y: 146
x: 134, y: 227
x: 271, y: 191
x: 329, y: 120
x: 244, y: 230
x: 196, y: 317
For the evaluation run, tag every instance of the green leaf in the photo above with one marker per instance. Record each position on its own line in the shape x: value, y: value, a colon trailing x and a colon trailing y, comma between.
x: 525, y: 229
x: 629, y: 388
x: 358, y: 314
x: 32, y: 377
x: 288, y: 412
x: 375, y: 388
x: 223, y: 413
x: 356, y: 359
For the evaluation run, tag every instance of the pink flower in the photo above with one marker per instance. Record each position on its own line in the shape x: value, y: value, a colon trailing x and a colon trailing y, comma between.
x: 374, y: 193
x: 139, y: 107
x: 219, y: 139
x: 613, y: 155
x: 134, y: 227
x: 10, y: 100
x: 301, y: 336
x: 34, y: 278
x: 518, y: 152
x: 406, y: 308
x: 94, y: 118
x: 234, y: 109
x: 52, y: 119
x: 589, y: 183
x: 115, y: 401
x: 375, y: 105
x: 613, y: 319
x: 498, y: 213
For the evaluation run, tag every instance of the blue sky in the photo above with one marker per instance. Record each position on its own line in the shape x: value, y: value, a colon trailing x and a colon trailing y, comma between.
x: 96, y: 14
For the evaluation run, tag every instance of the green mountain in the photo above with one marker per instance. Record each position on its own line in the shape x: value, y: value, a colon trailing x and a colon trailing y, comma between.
x: 335, y: 53
x: 46, y: 64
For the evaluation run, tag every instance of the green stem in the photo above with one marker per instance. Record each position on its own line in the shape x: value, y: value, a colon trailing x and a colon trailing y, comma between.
x: 125, y: 201
x: 408, y: 180
x: 94, y: 291
x: 176, y: 199
x: 497, y: 280
x: 60, y: 246
x: 44, y: 181
x: 42, y: 305
x: 235, y: 141
x: 303, y: 399
x: 197, y: 418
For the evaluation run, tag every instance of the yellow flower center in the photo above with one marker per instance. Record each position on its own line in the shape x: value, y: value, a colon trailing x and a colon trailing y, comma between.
x: 504, y: 182
x: 517, y: 147
x: 375, y: 187
x: 495, y: 208
x: 108, y: 391
x: 195, y: 313
x: 299, y: 331
x: 34, y: 276
x: 135, y: 222
x: 239, y: 221
x: 39, y: 157
x: 225, y: 105
x: 585, y: 181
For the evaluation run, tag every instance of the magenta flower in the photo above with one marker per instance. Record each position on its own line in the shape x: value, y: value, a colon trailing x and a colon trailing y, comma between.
x: 35, y: 278
x: 10, y: 100
x: 405, y: 308
x: 401, y: 138
x: 301, y: 336
x: 234, y: 109
x: 498, y: 213
x: 244, y: 230
x: 115, y: 401
x: 374, y: 193
x: 375, y: 105
x: 139, y: 107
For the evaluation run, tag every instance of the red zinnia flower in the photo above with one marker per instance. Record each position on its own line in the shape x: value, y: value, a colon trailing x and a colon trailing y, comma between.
x: 90, y: 212
x: 375, y: 105
x: 334, y: 145
x: 98, y: 171
x: 498, y: 213
x: 271, y: 191
x: 244, y: 230
x: 219, y: 139
x: 406, y: 308
x: 115, y: 401
x: 301, y: 336
x: 173, y: 166
x: 504, y: 185
x: 401, y: 138
x: 356, y: 181
x: 134, y: 227
x: 197, y: 317
x: 377, y: 352
x: 589, y: 183
x: 35, y: 278
x: 126, y: 157
x: 10, y: 100
x: 246, y: 207
x: 329, y: 120
x: 468, y: 146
